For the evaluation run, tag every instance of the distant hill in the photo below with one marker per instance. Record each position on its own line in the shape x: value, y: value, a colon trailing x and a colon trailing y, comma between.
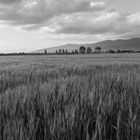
x: 129, y: 44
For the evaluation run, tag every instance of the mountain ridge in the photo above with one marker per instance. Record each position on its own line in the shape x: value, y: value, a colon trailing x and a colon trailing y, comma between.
x: 122, y: 44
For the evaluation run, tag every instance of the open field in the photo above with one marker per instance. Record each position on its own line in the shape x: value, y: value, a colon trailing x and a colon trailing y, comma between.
x: 74, y: 97
x: 68, y: 60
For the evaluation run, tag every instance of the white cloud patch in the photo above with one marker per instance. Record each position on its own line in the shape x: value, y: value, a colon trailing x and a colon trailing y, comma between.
x: 97, y: 4
x: 134, y: 19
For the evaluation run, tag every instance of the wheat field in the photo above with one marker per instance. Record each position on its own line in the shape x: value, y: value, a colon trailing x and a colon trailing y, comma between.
x: 75, y: 97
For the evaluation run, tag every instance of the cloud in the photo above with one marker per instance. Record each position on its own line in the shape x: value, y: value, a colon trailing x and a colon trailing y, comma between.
x: 69, y: 17
x: 128, y: 24
x: 35, y: 12
x: 134, y: 19
x: 8, y: 1
x: 84, y: 23
x: 107, y: 22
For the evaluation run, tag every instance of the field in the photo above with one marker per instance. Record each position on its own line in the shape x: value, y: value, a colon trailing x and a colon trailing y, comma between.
x: 73, y: 97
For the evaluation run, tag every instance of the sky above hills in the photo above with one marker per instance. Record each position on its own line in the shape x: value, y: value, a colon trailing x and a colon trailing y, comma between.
x: 27, y: 25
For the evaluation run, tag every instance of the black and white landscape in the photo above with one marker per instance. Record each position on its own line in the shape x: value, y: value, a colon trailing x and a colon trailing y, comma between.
x: 69, y: 70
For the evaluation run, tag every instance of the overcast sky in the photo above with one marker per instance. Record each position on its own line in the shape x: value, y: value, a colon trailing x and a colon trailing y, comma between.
x: 27, y: 25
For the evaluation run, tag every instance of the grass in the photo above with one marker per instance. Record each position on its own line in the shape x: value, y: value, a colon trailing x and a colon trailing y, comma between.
x: 44, y: 99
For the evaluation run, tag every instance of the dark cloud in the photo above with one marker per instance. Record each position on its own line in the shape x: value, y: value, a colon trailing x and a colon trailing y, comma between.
x: 9, y: 1
x: 40, y: 11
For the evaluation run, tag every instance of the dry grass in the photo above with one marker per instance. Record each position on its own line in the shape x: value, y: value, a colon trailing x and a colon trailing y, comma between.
x: 75, y: 102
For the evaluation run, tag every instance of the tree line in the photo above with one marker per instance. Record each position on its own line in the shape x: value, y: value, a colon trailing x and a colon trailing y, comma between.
x: 81, y: 50
x: 89, y: 50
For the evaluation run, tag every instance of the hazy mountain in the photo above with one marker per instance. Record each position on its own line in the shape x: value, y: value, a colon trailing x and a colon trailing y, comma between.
x: 69, y: 47
x: 130, y: 44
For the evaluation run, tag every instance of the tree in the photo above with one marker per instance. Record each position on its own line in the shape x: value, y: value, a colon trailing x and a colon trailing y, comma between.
x: 63, y: 51
x: 82, y: 49
x: 111, y: 51
x: 119, y: 51
x: 89, y: 50
x: 60, y: 51
x: 45, y: 51
x: 66, y: 51
x: 72, y: 52
x: 76, y: 51
x: 98, y: 49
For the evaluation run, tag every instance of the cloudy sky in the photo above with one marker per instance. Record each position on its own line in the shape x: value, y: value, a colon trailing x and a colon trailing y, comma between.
x: 27, y: 25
